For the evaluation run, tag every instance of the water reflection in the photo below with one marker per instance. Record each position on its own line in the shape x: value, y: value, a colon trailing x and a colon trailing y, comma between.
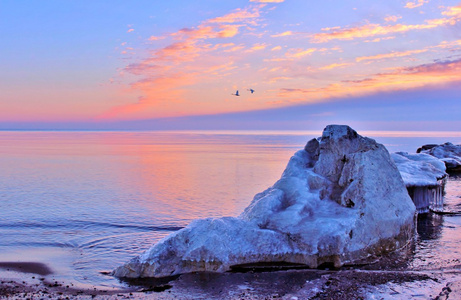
x: 439, y: 236
x: 429, y: 226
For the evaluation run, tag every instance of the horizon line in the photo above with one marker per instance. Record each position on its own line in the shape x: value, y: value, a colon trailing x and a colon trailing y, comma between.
x: 376, y: 133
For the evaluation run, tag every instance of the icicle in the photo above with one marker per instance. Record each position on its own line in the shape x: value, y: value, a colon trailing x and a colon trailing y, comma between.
x: 437, y: 203
x: 428, y: 198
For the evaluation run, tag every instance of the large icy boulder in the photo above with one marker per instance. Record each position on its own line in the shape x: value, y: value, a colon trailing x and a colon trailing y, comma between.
x: 450, y: 154
x: 340, y: 200
x: 425, y: 177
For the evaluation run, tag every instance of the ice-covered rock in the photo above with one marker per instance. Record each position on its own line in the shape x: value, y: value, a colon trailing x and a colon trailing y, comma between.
x: 448, y: 153
x: 340, y: 200
x: 424, y: 176
x: 419, y: 169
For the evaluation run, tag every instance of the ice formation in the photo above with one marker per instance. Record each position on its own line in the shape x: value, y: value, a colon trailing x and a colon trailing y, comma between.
x: 340, y: 200
x: 425, y: 178
x: 450, y: 154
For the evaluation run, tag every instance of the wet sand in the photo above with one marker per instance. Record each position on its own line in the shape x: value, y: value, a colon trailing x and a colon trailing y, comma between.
x: 27, y: 267
x: 35, y: 282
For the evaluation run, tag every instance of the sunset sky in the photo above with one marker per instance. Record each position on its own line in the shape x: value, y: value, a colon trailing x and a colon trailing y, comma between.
x: 375, y: 65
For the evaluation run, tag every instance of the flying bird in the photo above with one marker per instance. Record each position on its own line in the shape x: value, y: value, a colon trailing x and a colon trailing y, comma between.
x: 251, y: 90
x: 236, y: 93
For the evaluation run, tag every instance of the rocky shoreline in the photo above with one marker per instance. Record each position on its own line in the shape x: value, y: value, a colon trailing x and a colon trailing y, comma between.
x: 388, y: 277
x: 286, y: 284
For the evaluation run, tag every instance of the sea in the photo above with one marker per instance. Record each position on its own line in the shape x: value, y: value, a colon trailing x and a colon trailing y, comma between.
x: 85, y: 202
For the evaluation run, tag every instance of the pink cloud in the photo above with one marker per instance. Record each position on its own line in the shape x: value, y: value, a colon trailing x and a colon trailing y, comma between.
x: 370, y: 30
x: 193, y: 56
x: 267, y: 1
x: 227, y: 31
x: 238, y: 16
x: 449, y: 45
x: 156, y: 38
x: 235, y: 48
x: 392, y: 18
x: 439, y: 73
x: 297, y: 53
x: 390, y: 55
x: 257, y: 47
x: 285, y: 33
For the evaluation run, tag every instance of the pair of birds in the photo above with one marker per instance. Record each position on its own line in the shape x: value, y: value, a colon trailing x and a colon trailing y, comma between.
x: 237, y: 92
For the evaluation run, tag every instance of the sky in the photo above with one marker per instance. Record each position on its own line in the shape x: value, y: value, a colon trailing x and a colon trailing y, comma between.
x: 375, y: 65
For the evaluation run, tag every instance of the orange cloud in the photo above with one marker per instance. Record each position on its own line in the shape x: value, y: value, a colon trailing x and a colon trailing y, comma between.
x: 276, y: 59
x: 238, y: 16
x: 157, y: 91
x: 257, y: 47
x: 380, y: 39
x: 449, y: 45
x: 278, y: 78
x: 390, y: 55
x: 130, y: 30
x: 401, y: 78
x: 330, y: 28
x: 297, y: 53
x: 412, y: 77
x: 216, y: 70
x: 285, y: 33
x: 334, y: 66
x: 267, y: 1
x: 392, y: 18
x: 368, y: 30
x: 228, y: 31
x: 235, y: 49
x: 276, y: 48
x: 192, y: 57
x: 454, y: 11
x: 275, y: 69
x: 416, y: 4
x: 371, y: 30
x: 203, y: 31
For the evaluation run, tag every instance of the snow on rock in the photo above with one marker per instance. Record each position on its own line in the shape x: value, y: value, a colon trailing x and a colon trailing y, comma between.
x: 340, y: 200
x: 425, y: 177
x: 419, y: 169
x: 450, y: 154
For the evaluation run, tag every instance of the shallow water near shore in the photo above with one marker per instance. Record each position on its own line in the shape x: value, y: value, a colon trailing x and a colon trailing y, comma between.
x: 83, y: 203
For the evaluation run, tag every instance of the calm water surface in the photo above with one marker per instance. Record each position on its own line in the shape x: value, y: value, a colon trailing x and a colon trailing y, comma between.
x: 86, y: 202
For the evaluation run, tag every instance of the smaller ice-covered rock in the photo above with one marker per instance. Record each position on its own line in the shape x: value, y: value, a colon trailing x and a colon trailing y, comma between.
x: 419, y: 169
x: 448, y: 153
x: 424, y: 176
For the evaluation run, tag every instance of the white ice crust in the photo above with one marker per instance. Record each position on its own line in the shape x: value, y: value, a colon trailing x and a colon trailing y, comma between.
x: 340, y: 200
x: 419, y: 169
